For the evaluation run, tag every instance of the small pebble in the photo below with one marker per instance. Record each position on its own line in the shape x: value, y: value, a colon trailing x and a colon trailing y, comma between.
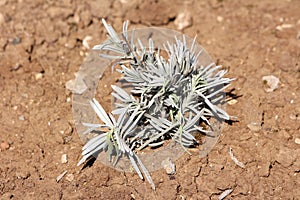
x: 254, y: 126
x: 220, y: 18
x: 16, y: 66
x: 272, y: 83
x: 64, y: 158
x: 85, y: 42
x: 293, y: 117
x: 297, y: 140
x: 16, y: 40
x: 168, y: 166
x: 4, y: 146
x: 124, y: 1
x: 232, y: 102
x: 21, y: 118
x: 183, y: 20
x: 70, y: 177
x: 25, y: 95
x: 38, y: 76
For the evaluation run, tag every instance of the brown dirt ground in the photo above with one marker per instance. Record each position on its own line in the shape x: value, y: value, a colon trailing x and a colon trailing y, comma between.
x: 45, y: 38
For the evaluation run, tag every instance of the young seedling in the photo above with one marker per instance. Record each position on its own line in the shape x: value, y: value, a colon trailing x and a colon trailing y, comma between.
x: 169, y: 97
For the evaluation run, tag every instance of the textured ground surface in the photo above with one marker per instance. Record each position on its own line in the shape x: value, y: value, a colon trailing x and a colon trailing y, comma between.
x: 41, y: 49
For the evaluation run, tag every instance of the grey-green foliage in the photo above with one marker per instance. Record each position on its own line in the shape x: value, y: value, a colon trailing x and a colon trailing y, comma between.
x: 168, y: 99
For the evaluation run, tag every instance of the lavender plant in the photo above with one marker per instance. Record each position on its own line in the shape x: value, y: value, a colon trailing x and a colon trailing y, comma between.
x: 168, y: 99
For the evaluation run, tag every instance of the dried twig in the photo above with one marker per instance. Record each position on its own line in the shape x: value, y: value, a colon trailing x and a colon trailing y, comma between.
x: 224, y: 194
x: 59, y: 177
x: 235, y: 160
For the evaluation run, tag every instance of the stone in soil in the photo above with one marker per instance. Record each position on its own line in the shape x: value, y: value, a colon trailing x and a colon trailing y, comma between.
x: 272, y: 83
x: 4, y: 146
x: 64, y: 158
x: 168, y: 166
x: 183, y: 20
x: 254, y: 126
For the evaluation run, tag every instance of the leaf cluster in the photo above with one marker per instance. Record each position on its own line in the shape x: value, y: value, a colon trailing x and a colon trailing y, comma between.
x: 169, y: 97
